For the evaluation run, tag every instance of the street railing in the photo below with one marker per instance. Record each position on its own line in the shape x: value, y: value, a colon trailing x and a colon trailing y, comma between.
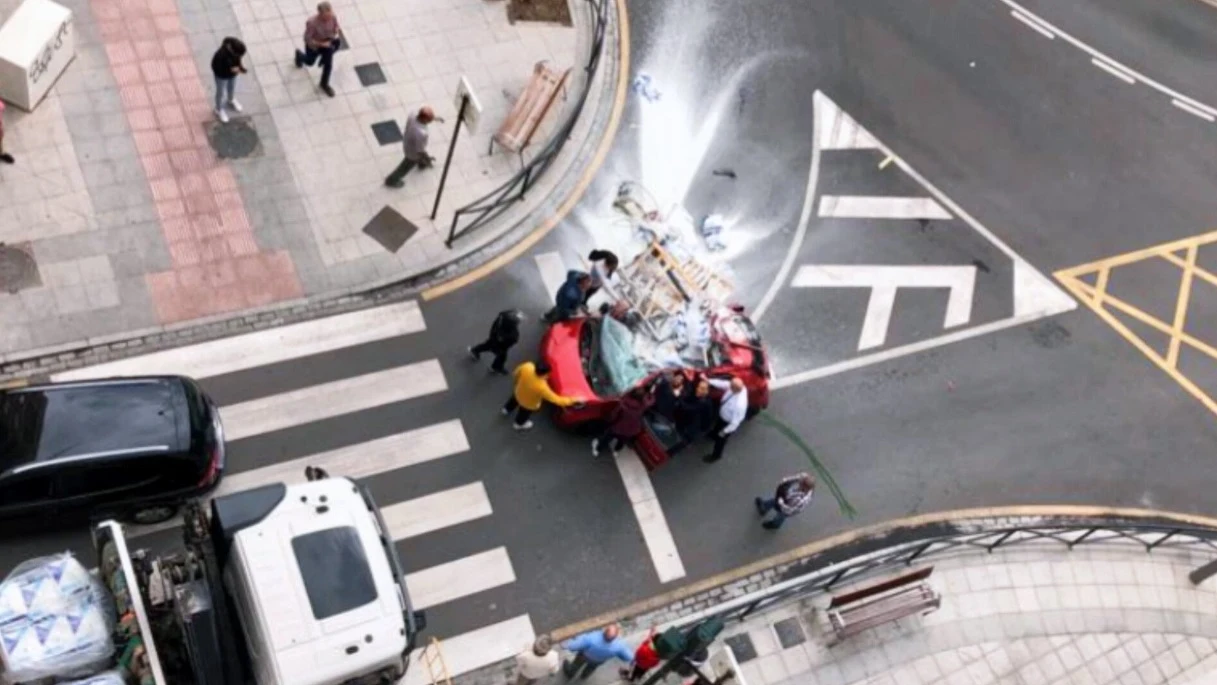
x: 490, y: 206
x: 875, y: 562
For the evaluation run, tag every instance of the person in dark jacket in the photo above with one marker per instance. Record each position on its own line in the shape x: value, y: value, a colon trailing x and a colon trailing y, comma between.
x: 225, y: 65
x: 669, y: 392
x: 625, y: 423
x: 569, y: 299
x: 695, y: 415
x: 504, y: 333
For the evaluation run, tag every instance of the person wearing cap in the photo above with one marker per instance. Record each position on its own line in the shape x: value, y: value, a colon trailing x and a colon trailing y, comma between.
x: 322, y: 38
x: 414, y: 143
x: 537, y: 662
x: 504, y: 334
x: 530, y: 392
x: 4, y: 156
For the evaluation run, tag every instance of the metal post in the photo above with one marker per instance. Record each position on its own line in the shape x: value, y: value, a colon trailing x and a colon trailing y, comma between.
x: 456, y: 132
x: 1203, y: 573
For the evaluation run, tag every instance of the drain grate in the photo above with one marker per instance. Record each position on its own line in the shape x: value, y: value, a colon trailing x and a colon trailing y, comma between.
x: 235, y: 140
x: 390, y: 229
x: 387, y: 132
x: 18, y: 270
x: 370, y: 74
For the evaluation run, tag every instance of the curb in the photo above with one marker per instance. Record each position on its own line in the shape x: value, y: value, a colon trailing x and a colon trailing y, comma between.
x: 35, y: 365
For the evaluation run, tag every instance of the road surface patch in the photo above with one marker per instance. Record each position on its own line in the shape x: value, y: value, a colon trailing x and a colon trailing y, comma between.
x: 1173, y: 335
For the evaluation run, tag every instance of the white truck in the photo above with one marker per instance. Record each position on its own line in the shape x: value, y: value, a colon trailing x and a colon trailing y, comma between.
x: 283, y: 584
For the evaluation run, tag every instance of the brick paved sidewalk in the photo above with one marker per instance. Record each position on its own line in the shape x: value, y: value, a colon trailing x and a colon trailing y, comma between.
x: 135, y: 223
x: 1110, y: 614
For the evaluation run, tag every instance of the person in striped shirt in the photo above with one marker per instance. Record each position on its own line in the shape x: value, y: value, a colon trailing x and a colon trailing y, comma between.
x: 793, y: 494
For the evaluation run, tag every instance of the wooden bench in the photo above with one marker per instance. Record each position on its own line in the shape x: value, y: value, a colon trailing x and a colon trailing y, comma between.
x: 882, y: 602
x: 530, y: 109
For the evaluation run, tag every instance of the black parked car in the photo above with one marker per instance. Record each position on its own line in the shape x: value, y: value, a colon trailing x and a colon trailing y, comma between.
x: 129, y: 448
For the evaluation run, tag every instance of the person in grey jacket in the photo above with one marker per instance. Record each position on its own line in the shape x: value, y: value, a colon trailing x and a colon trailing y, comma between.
x: 414, y: 143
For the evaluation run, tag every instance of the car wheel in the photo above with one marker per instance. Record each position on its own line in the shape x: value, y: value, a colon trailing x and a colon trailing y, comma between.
x: 153, y: 514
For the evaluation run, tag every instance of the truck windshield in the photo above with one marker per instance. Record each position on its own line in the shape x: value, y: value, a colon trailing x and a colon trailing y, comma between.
x: 625, y: 368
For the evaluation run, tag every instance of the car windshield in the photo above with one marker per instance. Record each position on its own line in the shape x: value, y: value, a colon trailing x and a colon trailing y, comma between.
x: 625, y: 368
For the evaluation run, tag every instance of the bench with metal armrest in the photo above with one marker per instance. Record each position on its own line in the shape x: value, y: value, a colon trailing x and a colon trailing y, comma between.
x: 890, y: 600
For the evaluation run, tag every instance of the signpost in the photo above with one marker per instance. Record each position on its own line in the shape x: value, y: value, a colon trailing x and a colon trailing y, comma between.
x: 469, y: 110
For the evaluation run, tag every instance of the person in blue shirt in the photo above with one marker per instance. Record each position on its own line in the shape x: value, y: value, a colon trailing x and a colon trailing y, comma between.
x: 569, y: 299
x: 593, y: 648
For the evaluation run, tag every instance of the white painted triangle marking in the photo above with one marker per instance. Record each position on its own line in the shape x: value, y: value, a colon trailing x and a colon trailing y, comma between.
x: 1034, y: 294
x: 838, y: 130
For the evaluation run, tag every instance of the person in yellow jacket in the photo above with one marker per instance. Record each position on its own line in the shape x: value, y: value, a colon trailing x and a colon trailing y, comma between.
x: 531, y: 391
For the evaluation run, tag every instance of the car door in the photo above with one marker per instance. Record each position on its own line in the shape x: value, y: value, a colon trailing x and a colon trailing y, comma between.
x: 107, y: 485
x: 26, y: 494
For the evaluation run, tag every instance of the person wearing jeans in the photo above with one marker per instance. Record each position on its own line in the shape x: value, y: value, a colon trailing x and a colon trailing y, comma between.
x: 322, y: 38
x: 4, y: 156
x: 791, y: 496
x: 225, y: 65
x: 530, y: 392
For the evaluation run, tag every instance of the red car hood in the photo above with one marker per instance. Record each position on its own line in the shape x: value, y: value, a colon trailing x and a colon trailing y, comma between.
x: 560, y: 349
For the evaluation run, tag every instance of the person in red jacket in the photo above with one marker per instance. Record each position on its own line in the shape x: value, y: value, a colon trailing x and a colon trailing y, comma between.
x: 645, y: 658
x: 626, y: 421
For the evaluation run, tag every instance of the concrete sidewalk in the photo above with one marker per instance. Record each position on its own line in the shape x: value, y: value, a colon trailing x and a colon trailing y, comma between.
x: 1026, y: 615
x: 120, y: 219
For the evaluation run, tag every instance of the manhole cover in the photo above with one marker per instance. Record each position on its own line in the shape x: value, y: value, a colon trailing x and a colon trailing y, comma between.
x: 387, y: 132
x: 234, y: 140
x: 390, y: 229
x: 18, y: 270
x: 370, y: 74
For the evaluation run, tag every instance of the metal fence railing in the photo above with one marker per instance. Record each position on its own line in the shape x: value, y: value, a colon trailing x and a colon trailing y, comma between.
x: 490, y: 206
x: 868, y: 565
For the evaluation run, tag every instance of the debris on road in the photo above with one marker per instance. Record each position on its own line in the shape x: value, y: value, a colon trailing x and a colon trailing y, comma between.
x: 644, y: 86
x: 727, y: 173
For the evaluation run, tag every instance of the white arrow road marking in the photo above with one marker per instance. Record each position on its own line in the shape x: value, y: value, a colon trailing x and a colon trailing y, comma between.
x: 858, y: 207
x: 884, y: 281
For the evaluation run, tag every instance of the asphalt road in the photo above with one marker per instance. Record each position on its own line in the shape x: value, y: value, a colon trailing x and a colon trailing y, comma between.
x: 1062, y: 162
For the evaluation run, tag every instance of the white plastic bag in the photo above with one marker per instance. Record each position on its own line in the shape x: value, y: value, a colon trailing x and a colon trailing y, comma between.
x: 55, y: 620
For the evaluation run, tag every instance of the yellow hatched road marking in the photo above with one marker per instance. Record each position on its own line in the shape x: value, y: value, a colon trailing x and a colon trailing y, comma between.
x: 1103, y: 302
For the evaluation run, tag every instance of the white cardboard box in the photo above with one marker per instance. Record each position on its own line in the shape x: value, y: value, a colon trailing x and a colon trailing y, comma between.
x: 36, y: 45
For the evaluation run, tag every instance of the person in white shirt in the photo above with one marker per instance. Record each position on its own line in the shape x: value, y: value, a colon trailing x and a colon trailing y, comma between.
x: 732, y: 409
x: 537, y: 662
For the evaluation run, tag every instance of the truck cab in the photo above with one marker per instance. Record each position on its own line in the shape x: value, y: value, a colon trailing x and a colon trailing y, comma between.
x: 278, y: 585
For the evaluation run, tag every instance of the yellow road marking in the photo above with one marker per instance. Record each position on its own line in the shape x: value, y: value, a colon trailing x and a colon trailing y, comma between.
x: 589, y: 173
x: 1185, y: 292
x: 875, y: 530
x: 1103, y: 302
x: 14, y: 384
x: 886, y: 160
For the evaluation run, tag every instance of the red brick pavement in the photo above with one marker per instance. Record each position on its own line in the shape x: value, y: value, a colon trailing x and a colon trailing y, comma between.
x: 216, y: 264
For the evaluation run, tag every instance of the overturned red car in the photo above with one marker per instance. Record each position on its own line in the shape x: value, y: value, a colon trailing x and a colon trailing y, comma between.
x: 601, y: 358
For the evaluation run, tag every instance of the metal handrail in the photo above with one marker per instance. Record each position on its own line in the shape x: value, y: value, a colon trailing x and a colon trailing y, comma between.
x: 492, y: 204
x: 885, y: 558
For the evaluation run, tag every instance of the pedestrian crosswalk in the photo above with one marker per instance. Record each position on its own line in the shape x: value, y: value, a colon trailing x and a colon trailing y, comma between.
x: 259, y: 423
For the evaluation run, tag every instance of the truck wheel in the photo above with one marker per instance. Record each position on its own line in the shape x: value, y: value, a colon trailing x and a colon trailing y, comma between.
x: 154, y: 514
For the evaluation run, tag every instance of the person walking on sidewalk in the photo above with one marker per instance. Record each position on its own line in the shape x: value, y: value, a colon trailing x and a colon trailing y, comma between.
x: 792, y: 495
x: 4, y: 156
x: 732, y: 410
x: 504, y: 333
x: 414, y: 142
x: 322, y: 38
x: 625, y: 423
x: 225, y: 65
x: 537, y: 662
x: 593, y: 648
x: 568, y: 301
x: 530, y: 392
